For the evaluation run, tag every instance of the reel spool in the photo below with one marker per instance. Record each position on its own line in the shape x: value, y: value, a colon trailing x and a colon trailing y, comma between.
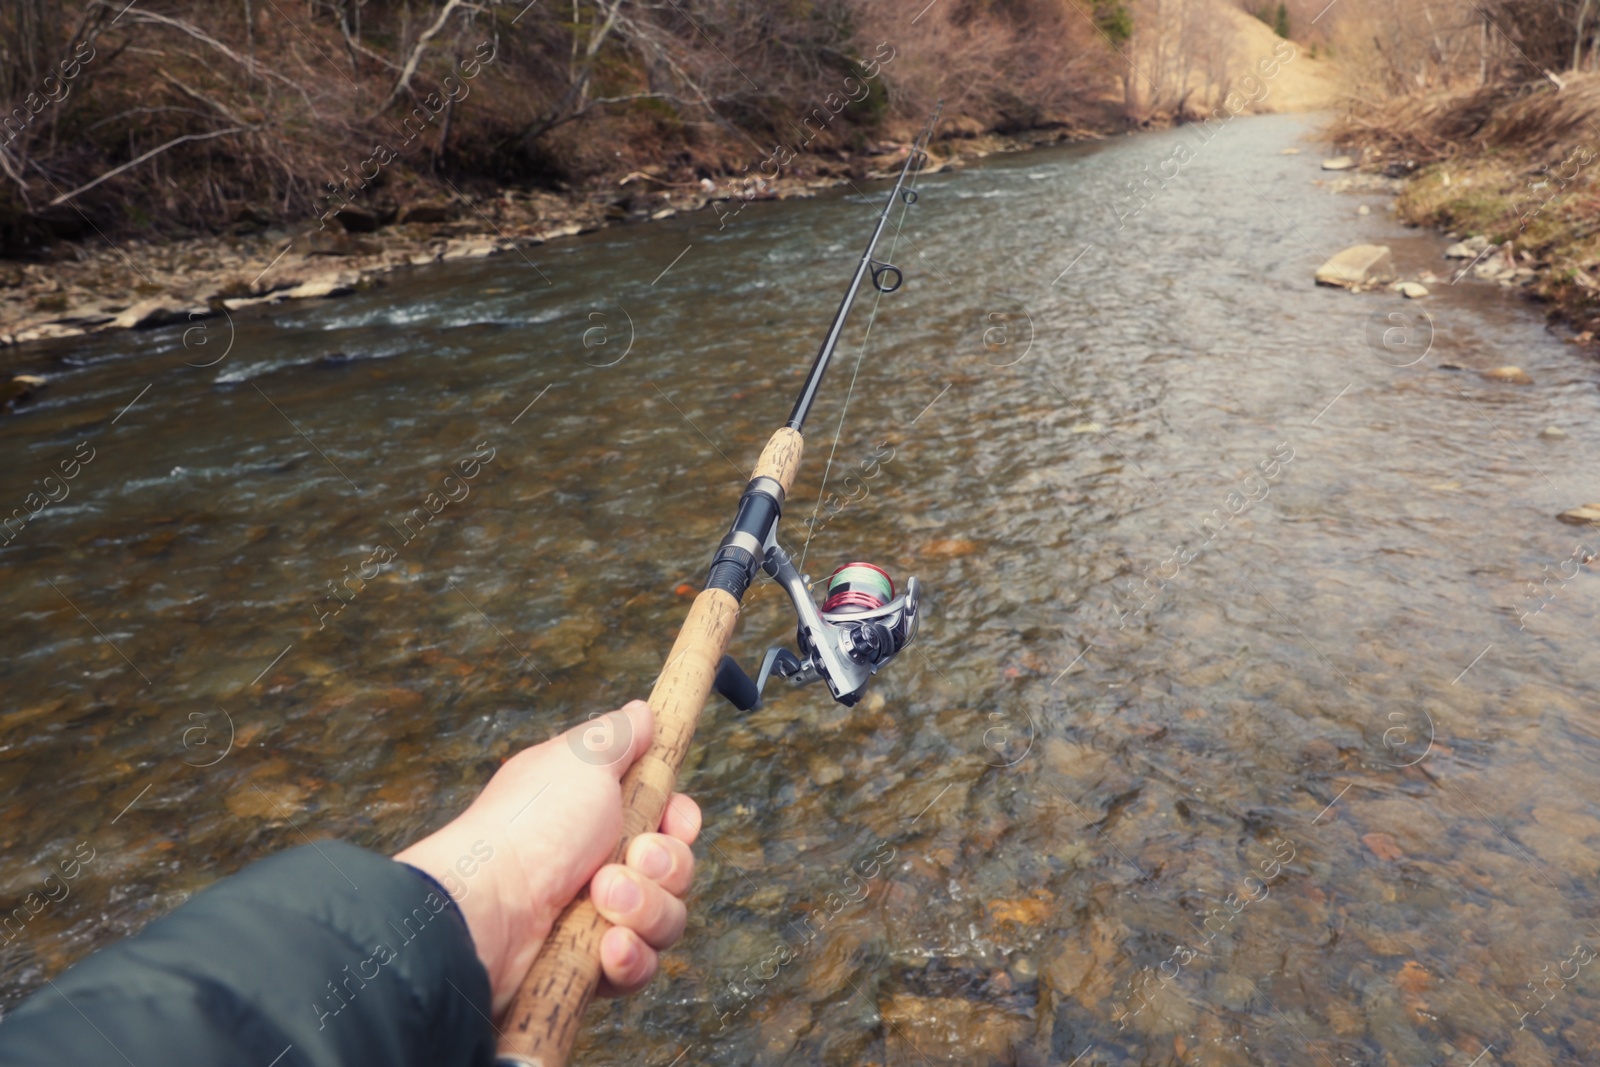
x: 856, y: 587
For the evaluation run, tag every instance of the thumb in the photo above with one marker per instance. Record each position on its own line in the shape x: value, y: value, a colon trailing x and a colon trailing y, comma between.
x: 614, y: 740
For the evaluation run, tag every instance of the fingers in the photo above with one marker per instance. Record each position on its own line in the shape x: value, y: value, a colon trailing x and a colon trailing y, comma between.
x: 627, y: 964
x: 627, y: 898
x: 614, y: 740
x: 681, y: 819
x: 664, y: 860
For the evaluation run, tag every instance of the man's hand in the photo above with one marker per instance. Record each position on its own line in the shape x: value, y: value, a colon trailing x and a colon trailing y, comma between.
x: 552, y: 814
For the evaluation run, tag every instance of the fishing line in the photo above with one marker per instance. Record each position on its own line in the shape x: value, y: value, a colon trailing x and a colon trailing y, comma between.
x: 905, y: 204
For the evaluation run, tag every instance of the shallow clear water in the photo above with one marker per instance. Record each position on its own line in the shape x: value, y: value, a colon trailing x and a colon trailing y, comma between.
x: 1338, y: 707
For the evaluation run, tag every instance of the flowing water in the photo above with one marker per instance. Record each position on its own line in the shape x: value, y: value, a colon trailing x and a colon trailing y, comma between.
x: 1233, y: 735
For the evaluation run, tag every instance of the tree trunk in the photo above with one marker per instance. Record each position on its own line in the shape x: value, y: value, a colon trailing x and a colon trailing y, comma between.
x: 1483, y: 52
x: 1577, y: 45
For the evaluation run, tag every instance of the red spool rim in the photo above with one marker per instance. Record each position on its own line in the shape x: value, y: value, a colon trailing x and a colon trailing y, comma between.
x: 852, y: 599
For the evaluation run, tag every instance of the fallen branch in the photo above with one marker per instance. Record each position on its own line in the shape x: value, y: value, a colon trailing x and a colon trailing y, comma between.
x: 199, y: 97
x: 114, y: 171
x: 201, y: 35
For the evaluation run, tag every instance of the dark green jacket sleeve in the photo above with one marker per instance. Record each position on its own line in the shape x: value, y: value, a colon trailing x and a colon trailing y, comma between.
x: 324, y: 956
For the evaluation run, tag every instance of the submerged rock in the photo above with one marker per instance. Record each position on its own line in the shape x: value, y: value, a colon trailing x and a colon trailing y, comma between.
x: 952, y: 1029
x: 1509, y: 375
x: 1356, y: 266
x: 1586, y: 515
x: 19, y: 390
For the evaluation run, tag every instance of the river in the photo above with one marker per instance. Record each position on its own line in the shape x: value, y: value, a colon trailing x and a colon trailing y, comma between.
x: 1323, y: 789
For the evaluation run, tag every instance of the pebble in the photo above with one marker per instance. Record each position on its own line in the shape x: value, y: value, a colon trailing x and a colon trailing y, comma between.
x: 1551, y: 433
x: 1339, y: 163
x: 1509, y: 375
x: 1363, y: 210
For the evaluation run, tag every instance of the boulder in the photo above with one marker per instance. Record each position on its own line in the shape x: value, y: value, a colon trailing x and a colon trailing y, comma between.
x: 1356, y: 266
x: 1509, y: 375
x: 427, y: 212
x: 1587, y: 515
x: 1339, y: 163
x: 363, y: 220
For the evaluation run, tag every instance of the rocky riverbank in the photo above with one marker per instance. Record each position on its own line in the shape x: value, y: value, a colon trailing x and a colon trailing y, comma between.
x: 141, y: 284
x: 1507, y: 173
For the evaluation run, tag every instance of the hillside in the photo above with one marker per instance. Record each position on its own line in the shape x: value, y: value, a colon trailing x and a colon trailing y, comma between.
x: 171, y: 160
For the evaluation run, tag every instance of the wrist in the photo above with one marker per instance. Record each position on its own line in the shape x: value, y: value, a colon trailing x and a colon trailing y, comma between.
x: 497, y: 922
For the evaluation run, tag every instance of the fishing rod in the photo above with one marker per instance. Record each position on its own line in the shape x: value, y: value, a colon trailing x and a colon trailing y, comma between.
x: 860, y: 626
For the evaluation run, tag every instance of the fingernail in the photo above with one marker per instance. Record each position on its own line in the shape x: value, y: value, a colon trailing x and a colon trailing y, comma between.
x: 655, y: 863
x: 622, y: 894
x: 630, y: 955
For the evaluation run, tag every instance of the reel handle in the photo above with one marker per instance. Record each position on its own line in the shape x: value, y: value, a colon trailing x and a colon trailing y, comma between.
x: 735, y: 686
x: 541, y: 1025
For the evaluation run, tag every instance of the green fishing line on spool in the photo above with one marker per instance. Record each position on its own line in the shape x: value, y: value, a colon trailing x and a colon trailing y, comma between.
x: 859, y: 587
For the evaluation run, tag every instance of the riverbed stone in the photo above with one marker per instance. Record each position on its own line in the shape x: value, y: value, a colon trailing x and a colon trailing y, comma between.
x: 1339, y: 163
x: 1585, y: 515
x: 1412, y: 290
x: 1356, y: 266
x: 931, y: 1030
x: 1509, y: 375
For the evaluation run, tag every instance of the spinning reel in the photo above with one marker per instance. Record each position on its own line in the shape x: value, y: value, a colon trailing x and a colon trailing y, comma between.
x: 861, y: 626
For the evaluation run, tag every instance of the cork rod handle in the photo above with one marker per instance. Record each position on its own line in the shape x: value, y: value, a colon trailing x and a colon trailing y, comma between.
x: 541, y: 1025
